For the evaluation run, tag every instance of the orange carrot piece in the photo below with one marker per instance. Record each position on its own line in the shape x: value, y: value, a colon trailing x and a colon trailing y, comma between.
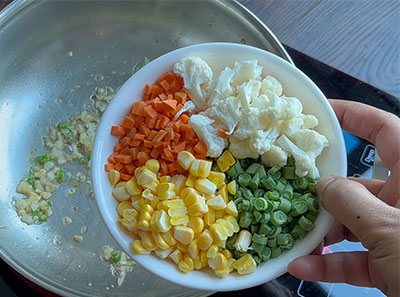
x: 143, y: 157
x: 179, y: 147
x: 128, y: 122
x: 118, y: 147
x: 184, y: 118
x: 169, y: 105
x: 149, y: 112
x: 125, y: 177
x: 165, y: 85
x: 147, y: 143
x: 170, y: 134
x: 123, y: 159
x: 130, y: 168
x: 108, y: 167
x: 174, y: 86
x: 156, y: 89
x: 145, y: 130
x: 164, y: 122
x: 134, y: 152
x: 160, y: 135
x: 139, y: 122
x: 177, y: 137
x: 118, y: 166
x: 154, y: 153
x: 181, y: 97
x: 138, y: 136
x: 169, y: 76
x: 172, y: 167
x: 200, y: 148
x: 111, y: 158
x: 164, y: 167
x: 189, y: 133
x: 117, y: 131
x: 125, y: 141
x: 137, y: 108
x: 135, y: 143
x: 163, y: 96
x: 147, y: 89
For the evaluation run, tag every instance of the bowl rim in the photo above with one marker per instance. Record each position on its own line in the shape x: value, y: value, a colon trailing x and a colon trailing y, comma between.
x: 98, y: 165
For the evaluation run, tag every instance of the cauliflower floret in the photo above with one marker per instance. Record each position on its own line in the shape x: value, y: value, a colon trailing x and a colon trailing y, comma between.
x: 274, y: 111
x: 249, y: 123
x: 261, y: 141
x: 274, y: 157
x: 197, y: 76
x: 221, y: 87
x: 261, y: 102
x: 309, y: 121
x: 310, y: 141
x: 241, y: 149
x: 245, y: 71
x: 188, y: 106
x: 208, y: 134
x: 271, y: 84
x: 291, y: 107
x: 290, y: 127
x: 247, y: 92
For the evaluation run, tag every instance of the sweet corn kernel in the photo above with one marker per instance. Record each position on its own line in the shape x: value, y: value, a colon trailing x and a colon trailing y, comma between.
x: 146, y: 176
x: 192, y: 198
x: 130, y: 213
x: 195, y: 168
x: 184, y: 266
x: 185, y: 159
x: 227, y: 226
x: 204, y: 258
x: 198, y: 264
x: 188, y: 191
x: 114, y: 176
x: 162, y: 205
x: 230, y: 264
x: 139, y: 170
x: 227, y: 158
x: 204, y: 168
x: 216, y: 203
x: 176, y: 256
x: 147, y: 240
x: 160, y: 221
x: 218, y: 262
x: 159, y: 240
x: 165, y: 187
x: 197, y: 209
x: 129, y: 223
x: 220, y: 243
x: 120, y: 184
x: 176, y: 203
x: 147, y: 194
x: 190, y: 181
x: 169, y: 238
x: 183, y: 234
x: 193, y: 250
x: 138, y: 248
x: 227, y: 254
x: 243, y: 241
x: 151, y: 186
x: 222, y: 166
x: 216, y: 177
x: 205, y: 240
x: 136, y: 205
x: 222, y: 273
x: 147, y: 208
x: 219, y: 214
x: 143, y: 225
x: 181, y: 220
x: 122, y: 206
x: 189, y: 261
x: 218, y: 231
x: 182, y: 247
x: 176, y: 212
x: 179, y: 182
x: 197, y: 224
x: 245, y: 264
x: 231, y: 208
x: 165, y: 179
x: 153, y: 165
x: 144, y: 215
x: 223, y: 192
x: 121, y: 194
x: 167, y: 195
x: 154, y: 202
x: 205, y: 186
x: 212, y: 251
x: 209, y: 217
x: 132, y: 187
x: 143, y: 202
x: 232, y: 187
x: 233, y: 223
x: 163, y: 254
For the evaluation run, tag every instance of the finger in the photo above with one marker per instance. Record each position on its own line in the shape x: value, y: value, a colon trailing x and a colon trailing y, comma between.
x: 337, y: 233
x: 349, y: 267
x: 373, y: 185
x: 390, y: 193
x: 350, y: 202
x: 375, y: 125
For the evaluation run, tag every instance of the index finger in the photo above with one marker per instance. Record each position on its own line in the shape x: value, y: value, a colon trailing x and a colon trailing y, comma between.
x: 375, y: 125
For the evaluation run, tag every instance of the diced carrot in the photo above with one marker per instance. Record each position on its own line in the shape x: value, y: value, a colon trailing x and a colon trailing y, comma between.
x: 170, y: 96
x: 181, y: 97
x: 125, y: 141
x: 146, y: 97
x: 164, y: 167
x: 154, y: 153
x: 160, y: 135
x: 170, y: 134
x: 177, y: 137
x: 125, y: 151
x: 147, y: 143
x: 146, y: 150
x: 145, y: 130
x: 169, y: 105
x: 143, y: 157
x: 124, y: 176
x: 157, y: 124
x: 134, y: 152
x: 174, y: 86
x: 108, y: 167
x: 111, y: 158
x: 123, y: 159
x: 199, y: 156
x: 177, y: 125
x: 152, y: 134
x: 149, y: 112
x: 118, y: 166
x: 147, y: 89
x: 135, y: 143
x: 117, y: 131
x: 138, y: 136
x: 151, y: 122
x: 168, y: 154
x: 162, y: 96
x: 132, y: 132
x: 164, y: 121
x: 137, y: 163
x: 179, y: 147
x: 139, y: 121
x: 189, y: 133
x: 138, y: 107
x: 172, y: 167
x: 130, y: 168
x: 128, y: 122
x: 169, y: 76
x: 200, y: 148
x: 118, y: 147
x: 184, y: 118
x: 156, y: 89
x: 165, y: 85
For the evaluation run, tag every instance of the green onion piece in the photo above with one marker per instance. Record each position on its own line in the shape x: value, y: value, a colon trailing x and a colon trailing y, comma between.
x: 298, y: 207
x: 285, y: 229
x: 244, y: 179
x: 278, y: 218
x: 285, y: 241
x: 296, y: 196
x: 247, y: 194
x: 238, y: 200
x: 253, y: 227
x: 276, y: 252
x: 270, y: 206
x: 60, y: 175
x: 62, y: 126
x: 268, y: 183
x: 238, y: 168
x: 285, y: 205
x: 287, y: 191
x: 284, y: 181
x: 255, y: 181
x: 116, y: 256
x: 293, y: 223
x: 89, y: 156
x: 306, y: 224
x: 275, y: 231
x: 265, y: 254
x: 264, y: 229
x: 279, y: 187
x: 259, y: 193
x: 42, y: 218
x: 36, y: 213
x: 261, y: 204
x: 232, y: 173
x: 274, y: 172
x: 82, y: 160
x: 257, y: 258
x: 305, y: 197
x: 237, y: 254
x: 245, y: 162
x: 289, y: 218
x: 215, y: 167
x: 266, y: 216
x: 261, y: 172
x: 290, y: 162
x: 300, y: 183
x: 252, y: 169
x: 312, y: 204
x: 311, y: 185
x: 272, y: 195
x: 49, y: 203
x: 297, y: 232
x: 257, y: 247
x: 42, y: 159
x: 246, y: 204
x: 257, y: 216
x: 245, y: 219
x: 260, y: 239
x: 238, y: 193
x: 312, y: 216
x: 289, y: 172
x: 30, y: 180
x: 272, y: 243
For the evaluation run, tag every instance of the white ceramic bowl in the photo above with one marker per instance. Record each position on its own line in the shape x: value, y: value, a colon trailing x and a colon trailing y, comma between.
x: 218, y: 55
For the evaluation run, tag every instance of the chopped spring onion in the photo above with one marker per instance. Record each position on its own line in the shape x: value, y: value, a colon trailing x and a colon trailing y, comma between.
x: 42, y: 159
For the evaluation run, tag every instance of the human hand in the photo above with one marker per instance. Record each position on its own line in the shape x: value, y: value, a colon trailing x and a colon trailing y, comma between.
x: 365, y: 210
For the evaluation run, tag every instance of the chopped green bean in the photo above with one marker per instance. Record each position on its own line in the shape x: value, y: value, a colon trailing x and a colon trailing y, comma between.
x: 253, y: 228
x: 82, y: 160
x: 272, y: 195
x: 285, y: 229
x: 264, y: 229
x: 256, y: 258
x: 36, y: 213
x: 272, y: 243
x: 245, y: 219
x: 42, y: 159
x: 255, y: 181
x: 238, y: 193
x: 115, y: 257
x: 247, y: 194
x: 278, y: 218
x: 259, y: 193
x: 30, y: 180
x: 276, y: 252
x: 274, y: 172
x: 312, y: 204
x: 245, y: 162
x: 312, y: 216
x: 279, y: 187
x: 300, y: 183
x: 285, y: 241
x: 60, y: 175
x: 257, y: 247
x: 261, y: 204
x: 49, y: 203
x: 298, y: 207
x: 275, y: 231
x: 265, y: 217
x: 230, y: 242
x: 261, y: 172
x: 244, y: 179
x: 257, y: 216
x: 237, y: 254
x: 265, y: 254
x: 62, y: 126
x: 287, y: 191
x: 42, y: 218
x: 246, y: 204
x: 285, y: 205
x: 268, y: 183
x: 306, y: 224
x: 289, y: 172
x: 257, y: 238
x: 252, y: 169
x: 238, y: 200
x: 297, y: 232
x: 296, y: 196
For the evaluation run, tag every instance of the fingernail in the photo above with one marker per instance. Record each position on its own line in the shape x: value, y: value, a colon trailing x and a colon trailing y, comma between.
x: 323, y: 183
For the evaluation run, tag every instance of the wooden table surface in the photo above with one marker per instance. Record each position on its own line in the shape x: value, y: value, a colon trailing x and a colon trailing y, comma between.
x: 358, y: 37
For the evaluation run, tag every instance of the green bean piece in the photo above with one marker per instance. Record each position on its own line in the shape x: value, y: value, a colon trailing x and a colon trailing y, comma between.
x: 285, y: 205
x: 312, y: 204
x: 257, y: 216
x: 261, y: 171
x: 245, y: 162
x: 247, y: 194
x: 232, y: 173
x: 42, y: 159
x: 298, y: 208
x: 272, y: 195
x: 49, y: 203
x: 42, y: 218
x: 289, y: 172
x: 264, y: 229
x: 287, y: 191
x: 279, y: 187
x: 285, y: 229
x: 30, y: 180
x: 238, y: 254
x: 274, y: 172
x: 238, y: 168
x: 261, y: 204
x: 36, y: 213
x: 252, y: 169
x: 285, y: 241
x: 312, y: 216
x: 257, y: 258
x: 265, y: 254
x: 272, y: 243
x: 239, y: 207
x: 268, y: 183
x: 305, y: 197
x: 300, y: 183
x: 238, y: 200
x: 231, y: 241
x: 257, y: 247
x: 115, y: 257
x: 276, y: 252
x: 255, y: 181
x: 290, y: 162
x: 296, y: 195
x: 306, y: 224
x: 278, y: 218
x: 270, y: 206
x: 245, y: 219
x: 275, y: 231
x: 289, y: 219
x: 311, y: 185
x: 60, y: 175
x: 62, y: 126
x: 244, y: 179
x: 293, y: 223
x: 297, y: 232
x: 215, y: 167
x: 284, y: 181
x: 238, y: 193
x: 257, y: 238
x: 259, y: 193
x: 246, y: 204
x: 265, y: 217
x: 253, y: 228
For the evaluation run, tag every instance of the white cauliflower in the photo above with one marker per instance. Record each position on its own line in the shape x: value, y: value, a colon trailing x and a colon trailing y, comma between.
x: 261, y: 141
x: 261, y: 102
x: 197, y: 76
x: 247, y: 92
x: 188, y: 106
x: 249, y: 123
x: 309, y: 121
x: 290, y: 127
x: 202, y: 125
x: 221, y: 87
x: 270, y: 83
x: 241, y: 149
x: 246, y: 71
x: 274, y: 111
x: 291, y: 107
x: 310, y: 141
x: 274, y: 157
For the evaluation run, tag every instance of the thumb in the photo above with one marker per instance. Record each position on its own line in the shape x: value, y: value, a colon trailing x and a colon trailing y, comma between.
x: 355, y: 207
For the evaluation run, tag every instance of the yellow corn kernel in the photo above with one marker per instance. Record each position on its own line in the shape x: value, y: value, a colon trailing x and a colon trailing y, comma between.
x: 167, y: 195
x: 230, y: 264
x: 197, y: 224
x: 132, y: 187
x: 223, y: 192
x: 152, y: 165
x: 212, y: 251
x: 204, y: 258
x: 227, y: 226
x: 144, y: 215
x: 143, y: 202
x: 147, y: 240
x: 165, y: 179
x: 129, y: 223
x: 162, y: 205
x: 218, y: 262
x: 143, y: 225
x: 160, y: 221
x: 184, y: 266
x: 175, y: 203
x: 137, y: 204
x: 163, y: 254
x: 176, y: 256
x: 197, y: 264
x: 154, y: 202
x: 232, y: 187
x: 165, y: 187
x: 130, y: 213
x: 245, y: 264
x: 195, y: 168
x: 147, y: 208
x: 169, y: 238
x: 193, y: 250
x: 182, y: 247
x: 243, y: 241
x: 233, y: 222
x: 190, y: 181
x: 122, y: 206
x: 205, y: 186
x: 209, y: 217
x: 222, y: 166
x: 219, y: 232
x: 139, y: 170
x: 227, y: 254
x: 216, y: 203
x: 220, y: 243
x: 159, y: 240
x: 147, y: 194
x: 197, y: 209
x: 121, y: 194
x: 180, y: 220
x: 151, y: 186
x: 183, y: 234
x: 146, y: 176
x: 185, y: 159
x: 179, y: 182
x: 120, y: 184
x: 205, y: 240
x: 216, y: 177
x: 138, y: 248
x: 231, y: 208
x: 227, y: 158
x: 204, y: 168
x: 189, y: 261
x: 114, y: 176
x: 222, y: 273
x: 219, y: 214
x: 187, y: 192
x: 176, y: 212
x: 192, y: 198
